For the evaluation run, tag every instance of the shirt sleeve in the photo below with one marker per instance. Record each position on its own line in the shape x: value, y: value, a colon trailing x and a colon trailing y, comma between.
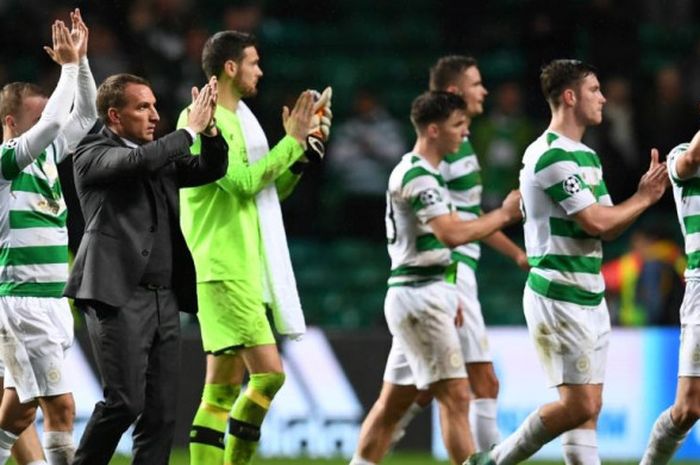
x: 561, y: 178
x: 426, y: 193
x: 84, y: 113
x: 19, y: 153
x: 673, y: 156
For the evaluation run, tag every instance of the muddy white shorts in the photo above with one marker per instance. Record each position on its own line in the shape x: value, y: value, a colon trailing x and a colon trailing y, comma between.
x: 425, y: 346
x: 571, y: 340
x: 35, y: 333
x: 472, y: 334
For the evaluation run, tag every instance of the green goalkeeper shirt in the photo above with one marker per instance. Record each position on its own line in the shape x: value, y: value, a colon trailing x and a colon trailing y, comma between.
x: 220, y: 220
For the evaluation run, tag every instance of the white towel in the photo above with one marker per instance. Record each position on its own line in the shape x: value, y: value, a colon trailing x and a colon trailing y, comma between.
x: 278, y: 279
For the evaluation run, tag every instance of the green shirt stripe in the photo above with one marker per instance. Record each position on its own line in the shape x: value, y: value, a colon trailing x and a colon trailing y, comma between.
x: 37, y: 255
x: 33, y: 289
x: 692, y: 224
x: 693, y: 260
x: 467, y: 260
x: 600, y: 190
x: 690, y: 187
x: 564, y: 292
x: 418, y: 171
x: 428, y: 242
x: 27, y: 183
x: 557, y: 193
x: 475, y: 209
x: 580, y: 157
x: 465, y: 150
x: 567, y: 263
x: 21, y: 219
x: 567, y: 228
x: 406, y: 270
x: 8, y: 163
x: 465, y: 182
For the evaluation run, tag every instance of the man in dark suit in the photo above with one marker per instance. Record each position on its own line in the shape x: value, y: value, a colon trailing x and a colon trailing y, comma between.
x: 133, y: 271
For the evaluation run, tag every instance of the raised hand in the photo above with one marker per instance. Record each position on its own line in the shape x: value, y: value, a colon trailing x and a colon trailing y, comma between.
x: 79, y: 32
x: 201, y: 111
x: 655, y: 181
x: 298, y: 121
x: 64, y: 50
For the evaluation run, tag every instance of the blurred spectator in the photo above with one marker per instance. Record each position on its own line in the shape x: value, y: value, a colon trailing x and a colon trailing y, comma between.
x: 647, y: 283
x: 106, y: 55
x: 667, y: 116
x: 243, y: 16
x: 691, y: 71
x: 616, y: 141
x: 500, y: 140
x: 362, y: 152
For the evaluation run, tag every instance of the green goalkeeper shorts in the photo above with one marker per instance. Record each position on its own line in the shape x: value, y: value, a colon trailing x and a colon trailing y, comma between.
x: 230, y: 319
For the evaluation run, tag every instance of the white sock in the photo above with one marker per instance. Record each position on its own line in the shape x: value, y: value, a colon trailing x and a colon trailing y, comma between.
x: 523, y: 443
x: 7, y: 440
x: 59, y: 448
x: 664, y: 440
x: 580, y: 447
x: 482, y: 420
x: 357, y: 460
x: 400, y: 430
x: 38, y: 462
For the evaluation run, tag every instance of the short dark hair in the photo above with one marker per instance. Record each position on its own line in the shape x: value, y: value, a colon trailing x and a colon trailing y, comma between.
x: 224, y: 46
x: 448, y: 69
x: 110, y: 94
x: 435, y: 107
x: 12, y: 95
x: 560, y: 74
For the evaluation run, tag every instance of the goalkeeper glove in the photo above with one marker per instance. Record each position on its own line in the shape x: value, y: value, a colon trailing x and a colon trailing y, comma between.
x: 320, y: 126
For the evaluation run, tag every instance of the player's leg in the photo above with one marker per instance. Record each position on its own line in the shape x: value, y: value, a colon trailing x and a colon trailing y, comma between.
x: 381, y: 421
x: 422, y: 401
x: 59, y: 413
x: 27, y: 449
x: 672, y: 426
x: 222, y: 386
x: 483, y: 406
x: 15, y: 417
x: 224, y: 375
x: 452, y: 396
x: 422, y: 322
x: 264, y: 366
x: 475, y: 350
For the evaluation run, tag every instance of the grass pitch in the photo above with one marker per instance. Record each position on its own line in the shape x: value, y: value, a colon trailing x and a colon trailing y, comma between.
x: 181, y: 457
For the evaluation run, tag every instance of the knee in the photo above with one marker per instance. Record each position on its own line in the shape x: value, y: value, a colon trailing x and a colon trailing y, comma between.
x: 19, y: 420
x: 584, y: 409
x: 487, y: 387
x: 125, y: 409
x: 456, y: 397
x: 60, y: 413
x: 220, y: 396
x: 265, y: 384
x: 686, y: 413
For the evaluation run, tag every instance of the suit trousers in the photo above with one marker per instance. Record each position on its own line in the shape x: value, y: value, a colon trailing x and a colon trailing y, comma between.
x: 137, y: 351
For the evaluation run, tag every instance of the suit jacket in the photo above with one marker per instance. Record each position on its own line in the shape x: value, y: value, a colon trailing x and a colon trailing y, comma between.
x: 120, y: 213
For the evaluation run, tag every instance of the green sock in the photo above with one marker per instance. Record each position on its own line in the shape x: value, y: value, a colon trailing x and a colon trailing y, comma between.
x: 247, y: 415
x: 209, y: 424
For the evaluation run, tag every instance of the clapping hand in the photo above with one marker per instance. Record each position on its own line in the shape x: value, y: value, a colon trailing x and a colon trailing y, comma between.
x: 64, y: 50
x: 201, y: 115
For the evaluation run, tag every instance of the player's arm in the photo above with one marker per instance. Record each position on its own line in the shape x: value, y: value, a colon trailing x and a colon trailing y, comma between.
x: 247, y: 180
x: 452, y: 231
x: 84, y: 113
x: 687, y: 162
x: 608, y: 222
x: 501, y: 243
x: 33, y: 142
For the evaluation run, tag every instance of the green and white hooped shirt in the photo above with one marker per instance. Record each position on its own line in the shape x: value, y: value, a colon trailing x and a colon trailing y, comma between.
x: 560, y: 177
x: 686, y: 193
x: 417, y: 193
x: 462, y: 175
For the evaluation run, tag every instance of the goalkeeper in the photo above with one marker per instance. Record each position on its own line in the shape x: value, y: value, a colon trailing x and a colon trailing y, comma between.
x: 235, y: 231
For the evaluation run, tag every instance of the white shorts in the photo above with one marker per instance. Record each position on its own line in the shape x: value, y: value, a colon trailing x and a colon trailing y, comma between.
x: 472, y: 334
x: 35, y: 333
x: 689, y: 351
x: 571, y: 340
x: 425, y: 346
